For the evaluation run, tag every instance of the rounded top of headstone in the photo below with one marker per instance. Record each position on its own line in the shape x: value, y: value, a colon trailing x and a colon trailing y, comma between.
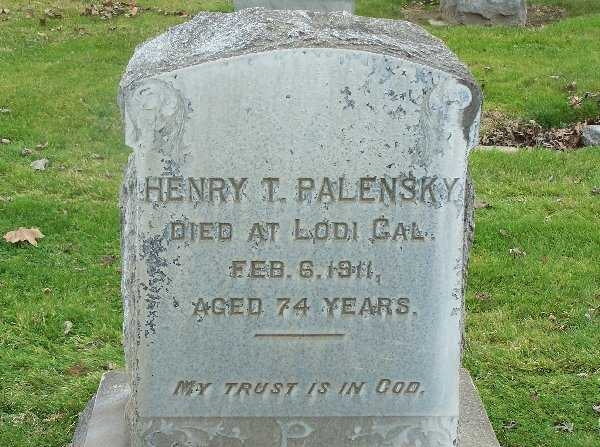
x: 211, y: 36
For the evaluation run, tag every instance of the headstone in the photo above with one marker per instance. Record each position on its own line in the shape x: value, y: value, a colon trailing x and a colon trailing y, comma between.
x: 485, y: 12
x: 590, y: 135
x: 294, y: 232
x: 310, y: 5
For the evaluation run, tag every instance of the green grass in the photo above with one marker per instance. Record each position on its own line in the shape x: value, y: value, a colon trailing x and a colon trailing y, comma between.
x: 524, y: 72
x: 530, y: 336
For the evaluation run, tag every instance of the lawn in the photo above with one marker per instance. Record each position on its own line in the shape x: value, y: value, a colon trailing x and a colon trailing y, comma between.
x: 533, y: 312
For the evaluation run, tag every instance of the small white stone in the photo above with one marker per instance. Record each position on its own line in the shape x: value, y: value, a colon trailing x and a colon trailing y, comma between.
x: 40, y: 165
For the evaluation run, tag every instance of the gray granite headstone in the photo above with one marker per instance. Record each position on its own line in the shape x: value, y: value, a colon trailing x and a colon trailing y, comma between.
x: 485, y: 12
x: 294, y: 232
x: 310, y: 5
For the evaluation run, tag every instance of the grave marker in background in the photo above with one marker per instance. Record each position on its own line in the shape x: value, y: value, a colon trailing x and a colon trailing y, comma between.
x: 485, y: 12
x: 311, y: 5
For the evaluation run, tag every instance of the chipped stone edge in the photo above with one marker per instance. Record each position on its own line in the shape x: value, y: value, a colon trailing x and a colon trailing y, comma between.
x: 211, y: 36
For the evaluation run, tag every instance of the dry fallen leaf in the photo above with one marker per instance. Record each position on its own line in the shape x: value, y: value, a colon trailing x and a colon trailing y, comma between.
x: 108, y: 259
x: 42, y: 145
x: 77, y: 370
x: 54, y: 417
x: 52, y: 13
x: 565, y: 426
x: 110, y: 366
x: 596, y: 408
x: 40, y: 165
x: 24, y: 234
x: 26, y: 151
x: 47, y: 290
x: 482, y: 296
x: 67, y: 326
x: 510, y: 425
x: 516, y: 252
x: 503, y: 232
x: 575, y: 101
x: 481, y: 205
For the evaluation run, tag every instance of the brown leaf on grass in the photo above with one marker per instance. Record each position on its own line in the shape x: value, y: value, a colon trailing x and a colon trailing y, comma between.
x: 41, y: 145
x: 67, y: 326
x: 534, y: 395
x: 53, y: 13
x: 564, y: 426
x: 592, y: 313
x: 54, y: 417
x: 501, y: 130
x: 47, y: 290
x: 510, y: 425
x: 575, y: 101
x: 110, y: 366
x: 482, y: 296
x: 24, y: 235
x: 26, y: 152
x: 77, y: 370
x: 108, y: 259
x: 596, y: 408
x: 108, y: 9
x: 517, y: 252
x: 503, y: 232
x: 481, y: 205
x: 571, y: 87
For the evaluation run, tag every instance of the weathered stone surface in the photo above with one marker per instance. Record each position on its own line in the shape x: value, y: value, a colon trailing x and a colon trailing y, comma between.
x: 485, y: 12
x: 590, y: 135
x: 474, y: 430
x: 254, y: 31
x: 310, y: 5
x: 295, y: 223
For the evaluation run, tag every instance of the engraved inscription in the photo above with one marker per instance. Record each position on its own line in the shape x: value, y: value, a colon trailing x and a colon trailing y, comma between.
x: 381, y: 387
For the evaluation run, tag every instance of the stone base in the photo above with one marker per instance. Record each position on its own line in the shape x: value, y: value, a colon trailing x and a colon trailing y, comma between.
x: 102, y: 423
